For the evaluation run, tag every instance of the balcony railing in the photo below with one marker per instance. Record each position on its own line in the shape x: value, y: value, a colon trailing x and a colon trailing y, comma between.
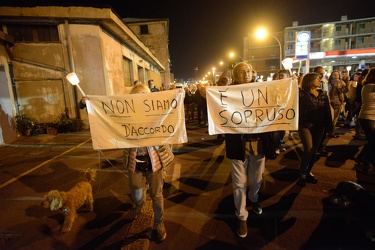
x: 364, y: 45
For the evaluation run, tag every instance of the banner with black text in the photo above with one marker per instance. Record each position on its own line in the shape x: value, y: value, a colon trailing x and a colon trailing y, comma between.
x: 137, y: 120
x: 255, y: 107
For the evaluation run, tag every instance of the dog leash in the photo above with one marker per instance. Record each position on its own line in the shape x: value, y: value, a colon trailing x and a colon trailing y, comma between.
x: 110, y: 163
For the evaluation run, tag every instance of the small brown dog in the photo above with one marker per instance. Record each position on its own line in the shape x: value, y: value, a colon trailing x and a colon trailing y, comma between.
x: 69, y: 202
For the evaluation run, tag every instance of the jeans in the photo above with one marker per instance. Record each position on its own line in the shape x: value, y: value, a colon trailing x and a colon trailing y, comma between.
x: 137, y: 184
x: 248, y: 172
x: 335, y: 117
x: 311, y: 139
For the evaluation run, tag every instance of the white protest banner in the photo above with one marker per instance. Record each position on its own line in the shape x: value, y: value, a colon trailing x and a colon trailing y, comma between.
x: 137, y: 120
x: 253, y: 107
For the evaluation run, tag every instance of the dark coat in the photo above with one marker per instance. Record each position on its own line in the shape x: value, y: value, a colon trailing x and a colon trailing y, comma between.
x: 235, y: 145
x: 314, y: 111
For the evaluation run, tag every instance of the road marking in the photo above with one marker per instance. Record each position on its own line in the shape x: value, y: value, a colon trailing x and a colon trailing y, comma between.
x: 42, y: 164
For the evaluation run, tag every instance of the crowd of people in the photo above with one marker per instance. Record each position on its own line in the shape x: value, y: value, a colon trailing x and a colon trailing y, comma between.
x: 323, y: 101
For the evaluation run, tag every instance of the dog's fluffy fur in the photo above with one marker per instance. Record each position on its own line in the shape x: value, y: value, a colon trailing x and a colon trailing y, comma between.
x: 69, y: 202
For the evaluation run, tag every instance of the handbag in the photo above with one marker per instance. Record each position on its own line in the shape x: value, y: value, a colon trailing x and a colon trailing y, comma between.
x: 143, y: 163
x: 165, y: 154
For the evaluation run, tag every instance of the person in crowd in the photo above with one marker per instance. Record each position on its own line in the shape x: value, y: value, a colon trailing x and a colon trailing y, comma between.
x: 223, y: 79
x: 345, y: 76
x: 337, y: 98
x: 145, y: 167
x: 247, y: 162
x: 198, y: 102
x: 151, y: 85
x: 359, y: 134
x: 255, y: 76
x: 278, y: 136
x: 82, y: 102
x: 350, y: 98
x: 204, y: 104
x: 367, y: 119
x: 324, y: 86
x: 323, y: 79
x: 189, y: 103
x: 314, y: 117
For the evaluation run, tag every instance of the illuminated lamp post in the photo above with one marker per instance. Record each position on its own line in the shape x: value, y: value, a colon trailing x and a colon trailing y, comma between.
x: 261, y: 34
x: 213, y: 76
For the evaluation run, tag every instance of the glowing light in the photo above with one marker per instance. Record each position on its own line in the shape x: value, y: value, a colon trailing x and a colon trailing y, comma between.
x: 73, y: 78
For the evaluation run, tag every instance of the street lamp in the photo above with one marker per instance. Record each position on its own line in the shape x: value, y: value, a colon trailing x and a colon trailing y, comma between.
x: 261, y: 34
x: 231, y: 55
x: 213, y: 76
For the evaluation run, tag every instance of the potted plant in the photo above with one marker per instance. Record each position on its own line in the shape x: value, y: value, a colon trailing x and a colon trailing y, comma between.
x: 25, y: 124
x: 65, y: 124
x: 52, y: 128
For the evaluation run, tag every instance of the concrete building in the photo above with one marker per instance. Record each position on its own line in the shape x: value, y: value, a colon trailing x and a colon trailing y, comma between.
x: 39, y: 46
x: 154, y: 33
x: 345, y: 44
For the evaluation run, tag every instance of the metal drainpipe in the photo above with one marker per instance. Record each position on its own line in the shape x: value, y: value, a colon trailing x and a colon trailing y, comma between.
x: 15, y: 97
x: 71, y: 63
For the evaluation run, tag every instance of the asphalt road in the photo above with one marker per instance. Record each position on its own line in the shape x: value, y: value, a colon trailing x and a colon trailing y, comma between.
x: 199, y: 210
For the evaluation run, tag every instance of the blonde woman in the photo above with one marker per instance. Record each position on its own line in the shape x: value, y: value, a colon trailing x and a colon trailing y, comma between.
x: 337, y: 97
x: 146, y: 167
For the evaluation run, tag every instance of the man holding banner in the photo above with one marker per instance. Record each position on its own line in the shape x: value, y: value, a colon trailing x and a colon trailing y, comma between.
x: 246, y: 113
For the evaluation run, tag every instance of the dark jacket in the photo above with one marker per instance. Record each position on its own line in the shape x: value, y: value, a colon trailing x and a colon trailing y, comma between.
x: 235, y: 145
x: 314, y: 111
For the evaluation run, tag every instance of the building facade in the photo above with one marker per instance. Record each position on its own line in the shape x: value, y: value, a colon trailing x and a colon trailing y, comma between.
x: 41, y: 45
x: 345, y: 44
x: 154, y: 33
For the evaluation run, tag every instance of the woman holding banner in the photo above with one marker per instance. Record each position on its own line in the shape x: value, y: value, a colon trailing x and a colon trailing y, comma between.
x: 314, y: 118
x: 145, y: 166
x: 247, y: 155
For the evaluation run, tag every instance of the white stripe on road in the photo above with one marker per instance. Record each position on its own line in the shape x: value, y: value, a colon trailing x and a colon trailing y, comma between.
x: 42, y: 164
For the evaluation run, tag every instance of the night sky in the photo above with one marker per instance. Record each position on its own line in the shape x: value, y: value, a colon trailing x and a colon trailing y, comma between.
x: 203, y: 32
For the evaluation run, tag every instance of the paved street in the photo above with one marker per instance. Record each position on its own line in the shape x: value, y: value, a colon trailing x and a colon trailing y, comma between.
x: 199, y: 210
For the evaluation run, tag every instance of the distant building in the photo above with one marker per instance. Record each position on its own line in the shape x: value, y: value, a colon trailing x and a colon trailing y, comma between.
x: 154, y: 33
x: 335, y: 45
x: 39, y: 46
